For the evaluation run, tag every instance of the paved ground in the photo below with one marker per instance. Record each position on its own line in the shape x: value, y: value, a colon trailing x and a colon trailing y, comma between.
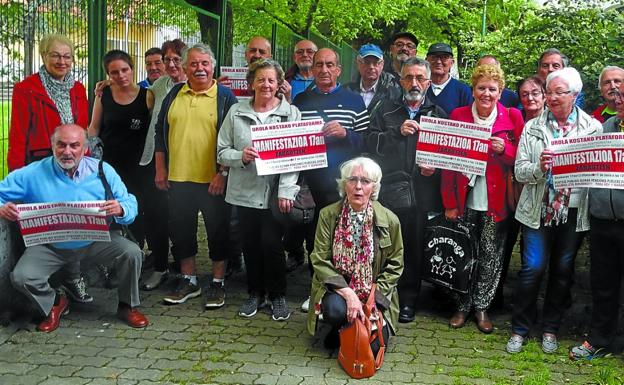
x: 187, y: 345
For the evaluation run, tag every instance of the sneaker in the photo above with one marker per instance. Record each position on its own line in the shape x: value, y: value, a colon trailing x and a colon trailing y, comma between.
x: 183, y: 292
x: 249, y: 308
x: 215, y: 295
x: 280, y: 309
x: 514, y: 345
x: 154, y: 280
x: 549, y: 343
x: 584, y: 352
x: 305, y: 306
x: 77, y: 290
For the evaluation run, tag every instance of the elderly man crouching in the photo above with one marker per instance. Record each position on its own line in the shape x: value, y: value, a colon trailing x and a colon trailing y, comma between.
x: 70, y: 176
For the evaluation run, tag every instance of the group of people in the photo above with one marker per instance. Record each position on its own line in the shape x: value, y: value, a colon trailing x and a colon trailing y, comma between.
x: 179, y: 143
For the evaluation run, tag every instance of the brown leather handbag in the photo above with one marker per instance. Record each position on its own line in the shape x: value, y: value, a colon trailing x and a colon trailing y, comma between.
x: 355, y: 354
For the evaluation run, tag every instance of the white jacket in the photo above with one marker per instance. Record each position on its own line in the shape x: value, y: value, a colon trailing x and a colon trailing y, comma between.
x: 536, y: 136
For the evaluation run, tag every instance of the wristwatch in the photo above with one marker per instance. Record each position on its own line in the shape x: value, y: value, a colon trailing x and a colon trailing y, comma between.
x: 224, y: 173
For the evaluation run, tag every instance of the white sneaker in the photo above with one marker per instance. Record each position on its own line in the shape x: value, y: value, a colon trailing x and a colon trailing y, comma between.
x: 305, y: 306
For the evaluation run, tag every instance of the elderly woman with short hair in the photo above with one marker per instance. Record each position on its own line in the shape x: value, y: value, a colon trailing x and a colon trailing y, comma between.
x: 261, y: 233
x: 481, y: 200
x: 40, y: 103
x: 554, y: 221
x: 358, y: 242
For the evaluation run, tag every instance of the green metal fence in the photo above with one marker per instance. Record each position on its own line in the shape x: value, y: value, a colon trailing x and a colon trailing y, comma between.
x: 95, y: 26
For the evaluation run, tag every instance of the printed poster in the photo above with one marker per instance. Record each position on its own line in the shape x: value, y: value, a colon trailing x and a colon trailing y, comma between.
x: 289, y: 146
x: 62, y: 221
x: 237, y: 82
x: 589, y: 161
x: 453, y: 145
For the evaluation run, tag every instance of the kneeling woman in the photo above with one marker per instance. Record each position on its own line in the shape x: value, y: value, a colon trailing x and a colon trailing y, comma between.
x: 358, y: 242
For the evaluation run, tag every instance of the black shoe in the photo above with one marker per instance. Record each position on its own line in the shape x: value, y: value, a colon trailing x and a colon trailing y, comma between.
x: 293, y: 264
x: 407, y: 314
x: 332, y: 340
x: 234, y: 266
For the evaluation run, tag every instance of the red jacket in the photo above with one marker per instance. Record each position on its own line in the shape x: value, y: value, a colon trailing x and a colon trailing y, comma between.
x: 598, y: 113
x: 34, y: 117
x: 454, y: 186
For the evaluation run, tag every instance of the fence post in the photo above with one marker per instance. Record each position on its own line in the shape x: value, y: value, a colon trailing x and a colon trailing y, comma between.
x: 274, y: 38
x: 96, y: 44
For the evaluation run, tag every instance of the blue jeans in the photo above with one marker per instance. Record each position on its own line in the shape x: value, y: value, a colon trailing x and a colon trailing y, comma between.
x: 549, y: 246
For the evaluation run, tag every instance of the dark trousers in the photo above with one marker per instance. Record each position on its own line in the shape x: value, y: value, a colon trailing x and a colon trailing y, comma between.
x: 186, y: 200
x: 606, y: 248
x: 263, y: 252
x: 554, y: 247
x: 322, y: 198
x: 413, y: 230
x: 156, y: 217
x: 513, y: 229
x: 334, y: 309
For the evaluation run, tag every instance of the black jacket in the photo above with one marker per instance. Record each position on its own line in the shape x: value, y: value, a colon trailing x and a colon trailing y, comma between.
x: 397, y: 153
x: 387, y: 88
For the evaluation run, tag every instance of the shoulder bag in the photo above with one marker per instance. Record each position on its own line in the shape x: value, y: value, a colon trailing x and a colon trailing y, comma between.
x: 355, y: 354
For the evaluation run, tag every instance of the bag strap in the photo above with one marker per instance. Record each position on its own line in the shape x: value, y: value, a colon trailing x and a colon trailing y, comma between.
x: 108, y: 195
x: 370, y: 308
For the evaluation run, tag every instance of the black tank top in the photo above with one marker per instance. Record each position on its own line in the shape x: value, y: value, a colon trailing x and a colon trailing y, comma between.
x: 123, y: 129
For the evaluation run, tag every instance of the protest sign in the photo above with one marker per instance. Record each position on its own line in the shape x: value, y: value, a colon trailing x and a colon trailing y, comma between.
x: 289, y: 146
x: 237, y: 81
x: 453, y: 145
x: 62, y: 221
x: 589, y: 161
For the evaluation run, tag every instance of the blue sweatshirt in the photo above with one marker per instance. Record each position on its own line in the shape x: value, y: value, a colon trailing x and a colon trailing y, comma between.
x: 45, y: 182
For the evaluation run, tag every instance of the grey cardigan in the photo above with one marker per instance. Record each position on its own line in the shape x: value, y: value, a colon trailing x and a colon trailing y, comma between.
x: 535, y: 137
x: 244, y: 186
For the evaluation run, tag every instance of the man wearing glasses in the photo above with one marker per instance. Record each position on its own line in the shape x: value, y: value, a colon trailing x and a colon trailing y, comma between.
x: 299, y: 75
x: 403, y: 47
x: 392, y: 142
x: 445, y: 91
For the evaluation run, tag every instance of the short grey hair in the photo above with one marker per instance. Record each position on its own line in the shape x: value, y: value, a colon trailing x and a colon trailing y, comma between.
x: 46, y: 43
x: 607, y: 68
x: 569, y: 75
x: 414, y: 61
x: 202, y: 48
x: 370, y: 168
x: 59, y: 127
x: 553, y: 51
x: 262, y: 64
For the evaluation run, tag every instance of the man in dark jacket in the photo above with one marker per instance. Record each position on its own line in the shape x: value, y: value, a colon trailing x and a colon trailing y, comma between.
x: 392, y: 141
x: 606, y: 249
x: 374, y: 84
x: 186, y: 165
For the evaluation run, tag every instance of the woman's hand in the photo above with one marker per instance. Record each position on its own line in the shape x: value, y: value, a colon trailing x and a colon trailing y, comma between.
x: 354, y: 306
x: 498, y: 145
x: 285, y: 205
x: 546, y: 160
x: 249, y: 154
x: 451, y: 214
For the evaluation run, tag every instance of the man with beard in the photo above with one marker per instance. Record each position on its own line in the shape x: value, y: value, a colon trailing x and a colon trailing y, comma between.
x: 403, y: 47
x: 392, y: 141
x: 609, y: 82
x: 154, y: 66
x: 299, y: 75
x: 186, y: 166
x: 374, y: 85
x: 445, y: 91
x: 69, y: 176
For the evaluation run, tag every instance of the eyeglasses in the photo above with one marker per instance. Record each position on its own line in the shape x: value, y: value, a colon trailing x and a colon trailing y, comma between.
x: 175, y: 60
x: 441, y: 58
x: 353, y: 180
x: 400, y: 45
x: 534, y: 94
x: 309, y: 51
x: 557, y: 94
x: 411, y: 78
x: 58, y: 57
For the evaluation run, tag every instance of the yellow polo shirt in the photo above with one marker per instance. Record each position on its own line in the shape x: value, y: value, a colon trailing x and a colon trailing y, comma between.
x: 192, y: 134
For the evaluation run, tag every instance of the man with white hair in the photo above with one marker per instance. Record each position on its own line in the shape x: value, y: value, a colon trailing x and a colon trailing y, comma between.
x: 186, y: 165
x: 609, y: 83
x: 392, y: 140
